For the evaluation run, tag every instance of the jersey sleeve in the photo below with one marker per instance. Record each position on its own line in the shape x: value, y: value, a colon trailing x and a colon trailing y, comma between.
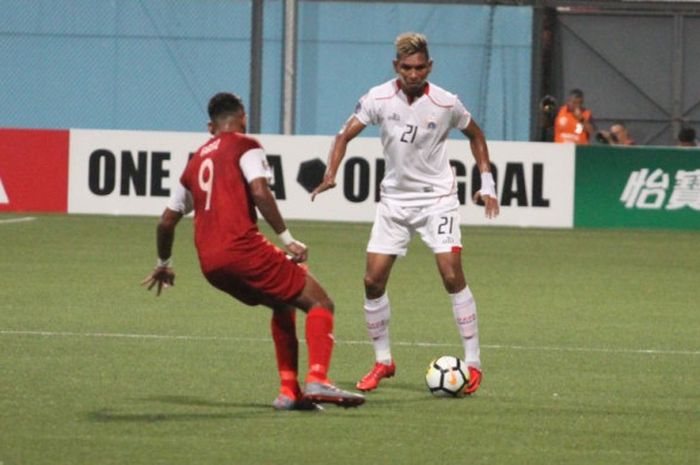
x: 365, y: 112
x: 254, y: 165
x: 180, y: 200
x: 460, y: 116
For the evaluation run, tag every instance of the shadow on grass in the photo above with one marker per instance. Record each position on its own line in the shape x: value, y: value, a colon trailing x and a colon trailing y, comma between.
x: 110, y: 416
x: 236, y: 411
x: 200, y: 402
x: 241, y: 410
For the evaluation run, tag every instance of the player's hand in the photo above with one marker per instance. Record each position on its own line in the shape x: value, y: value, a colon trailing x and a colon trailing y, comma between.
x: 298, y: 252
x: 491, y: 207
x: 162, y: 276
x: 327, y: 183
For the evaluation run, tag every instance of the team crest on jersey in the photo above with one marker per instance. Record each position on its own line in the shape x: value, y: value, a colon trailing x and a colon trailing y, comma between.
x: 431, y: 123
x: 394, y: 117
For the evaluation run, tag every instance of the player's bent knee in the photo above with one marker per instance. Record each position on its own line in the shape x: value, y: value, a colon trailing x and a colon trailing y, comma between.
x: 326, y: 303
x: 306, y: 301
x: 312, y: 296
x: 318, y: 295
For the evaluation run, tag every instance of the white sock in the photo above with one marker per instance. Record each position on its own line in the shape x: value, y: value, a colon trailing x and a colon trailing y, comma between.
x: 464, y: 310
x: 377, y: 313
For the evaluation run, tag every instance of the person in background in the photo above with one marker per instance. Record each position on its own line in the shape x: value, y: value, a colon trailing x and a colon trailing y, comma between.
x: 617, y: 135
x: 687, y: 137
x: 574, y: 123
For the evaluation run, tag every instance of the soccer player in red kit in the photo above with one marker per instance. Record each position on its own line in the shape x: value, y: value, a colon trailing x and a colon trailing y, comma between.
x: 224, y: 182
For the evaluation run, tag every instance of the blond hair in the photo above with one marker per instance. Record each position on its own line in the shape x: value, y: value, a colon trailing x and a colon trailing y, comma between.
x: 411, y: 42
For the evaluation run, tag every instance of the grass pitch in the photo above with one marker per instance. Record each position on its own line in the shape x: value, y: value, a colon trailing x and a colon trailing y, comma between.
x: 590, y: 343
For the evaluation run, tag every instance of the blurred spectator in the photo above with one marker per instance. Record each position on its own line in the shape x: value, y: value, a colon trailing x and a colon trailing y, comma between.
x: 687, y: 137
x: 574, y: 123
x: 617, y: 135
x: 548, y: 110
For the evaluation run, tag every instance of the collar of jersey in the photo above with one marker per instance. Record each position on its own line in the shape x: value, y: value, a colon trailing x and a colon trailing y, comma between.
x: 397, y: 83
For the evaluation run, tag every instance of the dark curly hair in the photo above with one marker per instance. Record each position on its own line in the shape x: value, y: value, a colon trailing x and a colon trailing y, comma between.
x: 224, y: 104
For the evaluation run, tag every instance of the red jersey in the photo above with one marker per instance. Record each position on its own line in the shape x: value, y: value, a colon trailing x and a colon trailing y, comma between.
x: 568, y: 129
x: 225, y: 218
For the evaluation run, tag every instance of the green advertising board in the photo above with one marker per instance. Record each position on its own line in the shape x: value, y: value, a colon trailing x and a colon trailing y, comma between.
x: 638, y: 187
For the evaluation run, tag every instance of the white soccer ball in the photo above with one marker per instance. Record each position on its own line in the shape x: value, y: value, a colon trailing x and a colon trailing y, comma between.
x: 447, y: 376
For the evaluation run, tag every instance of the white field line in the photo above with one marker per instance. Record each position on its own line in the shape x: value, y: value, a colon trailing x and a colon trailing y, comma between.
x: 24, y: 219
x: 398, y: 343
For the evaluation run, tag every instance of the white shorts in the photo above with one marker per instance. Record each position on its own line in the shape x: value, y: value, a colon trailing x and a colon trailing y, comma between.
x: 437, y: 224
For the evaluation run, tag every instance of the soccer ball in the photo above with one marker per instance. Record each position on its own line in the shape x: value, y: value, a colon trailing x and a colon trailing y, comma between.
x: 447, y: 376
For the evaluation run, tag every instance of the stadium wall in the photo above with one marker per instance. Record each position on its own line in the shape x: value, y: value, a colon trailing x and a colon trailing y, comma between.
x: 539, y: 184
x: 153, y: 64
x: 133, y: 172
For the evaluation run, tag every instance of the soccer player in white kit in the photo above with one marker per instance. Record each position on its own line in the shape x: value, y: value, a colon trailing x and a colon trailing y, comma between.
x: 418, y: 194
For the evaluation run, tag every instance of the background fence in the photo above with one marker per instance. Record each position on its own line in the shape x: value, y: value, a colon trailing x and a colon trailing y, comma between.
x: 152, y: 64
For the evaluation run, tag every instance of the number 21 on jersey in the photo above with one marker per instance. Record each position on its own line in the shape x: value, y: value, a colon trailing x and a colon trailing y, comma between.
x: 206, y: 179
x: 409, y: 135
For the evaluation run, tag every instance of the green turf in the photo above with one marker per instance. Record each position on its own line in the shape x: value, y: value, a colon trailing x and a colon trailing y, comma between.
x: 590, y: 342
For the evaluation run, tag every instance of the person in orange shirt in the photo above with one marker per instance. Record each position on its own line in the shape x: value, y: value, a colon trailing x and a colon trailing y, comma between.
x: 574, y: 123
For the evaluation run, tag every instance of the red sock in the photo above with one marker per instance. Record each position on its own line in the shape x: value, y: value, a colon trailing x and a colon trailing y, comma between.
x: 319, y: 338
x: 284, y: 335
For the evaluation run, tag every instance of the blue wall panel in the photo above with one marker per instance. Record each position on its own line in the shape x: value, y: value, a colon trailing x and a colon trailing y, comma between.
x: 347, y: 48
x: 126, y: 64
x: 152, y: 64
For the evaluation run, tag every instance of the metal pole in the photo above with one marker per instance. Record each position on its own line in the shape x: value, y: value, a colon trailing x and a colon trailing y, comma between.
x: 256, y: 54
x: 536, y: 84
x: 542, y: 43
x: 677, y: 77
x: 289, y: 65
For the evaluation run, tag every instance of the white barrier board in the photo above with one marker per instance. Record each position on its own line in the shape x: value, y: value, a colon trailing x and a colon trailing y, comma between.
x: 132, y: 173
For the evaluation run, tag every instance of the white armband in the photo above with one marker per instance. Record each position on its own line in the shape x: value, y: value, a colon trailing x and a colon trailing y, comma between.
x: 488, y: 186
x: 180, y: 200
x: 164, y: 263
x: 254, y: 165
x: 286, y: 237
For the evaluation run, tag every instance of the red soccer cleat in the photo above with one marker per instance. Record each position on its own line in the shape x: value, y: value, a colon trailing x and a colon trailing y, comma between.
x: 475, y: 376
x: 379, y: 372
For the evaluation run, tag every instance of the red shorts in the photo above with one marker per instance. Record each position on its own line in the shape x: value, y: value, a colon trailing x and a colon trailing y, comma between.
x: 261, y: 274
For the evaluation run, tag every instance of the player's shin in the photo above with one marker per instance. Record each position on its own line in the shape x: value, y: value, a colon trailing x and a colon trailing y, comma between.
x: 284, y: 335
x: 319, y: 338
x: 377, y: 314
x: 464, y: 310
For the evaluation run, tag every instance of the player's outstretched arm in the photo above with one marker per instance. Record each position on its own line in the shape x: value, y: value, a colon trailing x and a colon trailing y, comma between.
x: 163, y: 275
x: 487, y: 193
x: 350, y: 129
x: 266, y: 204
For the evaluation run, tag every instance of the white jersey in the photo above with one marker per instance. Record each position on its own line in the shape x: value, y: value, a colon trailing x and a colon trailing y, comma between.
x: 417, y: 169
